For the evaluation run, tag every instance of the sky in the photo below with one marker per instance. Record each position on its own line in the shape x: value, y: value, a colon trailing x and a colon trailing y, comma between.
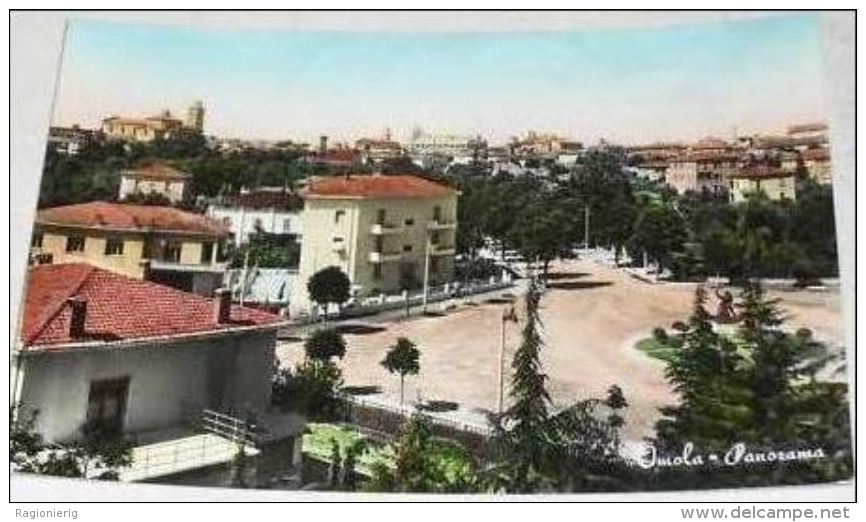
x: 629, y: 85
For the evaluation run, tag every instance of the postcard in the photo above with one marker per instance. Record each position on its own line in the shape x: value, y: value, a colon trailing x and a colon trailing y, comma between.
x: 492, y: 262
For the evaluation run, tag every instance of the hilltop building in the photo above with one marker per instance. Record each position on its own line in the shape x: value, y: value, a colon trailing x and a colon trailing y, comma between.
x: 153, y: 178
x: 159, y: 127
x: 774, y: 182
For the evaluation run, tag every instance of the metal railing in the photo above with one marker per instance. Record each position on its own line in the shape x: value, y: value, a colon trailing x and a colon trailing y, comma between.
x: 443, y: 420
x: 231, y: 428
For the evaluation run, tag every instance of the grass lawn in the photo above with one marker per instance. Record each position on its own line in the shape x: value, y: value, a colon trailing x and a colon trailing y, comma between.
x: 318, y: 443
x: 661, y: 351
x: 453, y: 461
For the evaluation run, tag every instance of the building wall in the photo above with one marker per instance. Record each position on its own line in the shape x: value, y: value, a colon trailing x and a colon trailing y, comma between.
x: 169, y: 384
x: 819, y: 171
x: 682, y: 176
x: 129, y: 263
x: 354, y: 230
x: 242, y: 222
x: 774, y: 188
x: 173, y: 190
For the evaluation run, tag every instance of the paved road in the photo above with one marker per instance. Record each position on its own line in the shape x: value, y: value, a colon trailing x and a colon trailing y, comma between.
x: 592, y: 316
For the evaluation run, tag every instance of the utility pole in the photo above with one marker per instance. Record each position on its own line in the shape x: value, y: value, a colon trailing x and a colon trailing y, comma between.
x: 586, y: 227
x: 426, y: 274
x: 507, y: 315
x: 244, y: 277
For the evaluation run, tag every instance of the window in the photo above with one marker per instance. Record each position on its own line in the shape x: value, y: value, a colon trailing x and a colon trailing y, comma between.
x: 113, y: 247
x: 407, y: 248
x: 380, y: 243
x: 434, y: 265
x: 409, y: 222
x: 171, y: 252
x: 106, y: 405
x: 36, y: 240
x: 377, y: 271
x: 437, y: 213
x: 287, y: 225
x: 434, y: 238
x: 380, y: 218
x: 338, y: 216
x: 75, y: 244
x: 206, y: 253
x: 227, y: 221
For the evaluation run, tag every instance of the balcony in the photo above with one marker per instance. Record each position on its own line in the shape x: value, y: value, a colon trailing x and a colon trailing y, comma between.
x: 385, y: 257
x: 383, y: 229
x: 440, y: 224
x: 442, y: 250
x: 176, y: 266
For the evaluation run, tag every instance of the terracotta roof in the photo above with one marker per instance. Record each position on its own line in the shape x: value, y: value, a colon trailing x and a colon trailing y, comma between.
x: 119, y: 308
x: 376, y: 186
x: 122, y: 216
x: 706, y: 156
x: 822, y: 154
x: 761, y: 171
x: 266, y: 199
x: 157, y: 171
x: 807, y: 127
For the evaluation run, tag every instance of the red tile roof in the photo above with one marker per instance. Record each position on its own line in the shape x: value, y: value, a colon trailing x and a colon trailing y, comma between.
x: 376, y: 186
x: 118, y: 308
x: 122, y: 216
x: 821, y: 154
x: 807, y: 127
x: 706, y: 157
x: 263, y: 199
x: 159, y: 171
x: 761, y: 171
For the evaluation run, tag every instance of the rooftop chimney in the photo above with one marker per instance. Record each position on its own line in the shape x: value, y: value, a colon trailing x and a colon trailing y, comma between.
x: 222, y: 307
x: 78, y: 309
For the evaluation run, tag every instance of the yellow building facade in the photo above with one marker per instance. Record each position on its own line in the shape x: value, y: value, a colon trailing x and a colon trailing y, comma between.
x: 160, y: 244
x: 387, y: 233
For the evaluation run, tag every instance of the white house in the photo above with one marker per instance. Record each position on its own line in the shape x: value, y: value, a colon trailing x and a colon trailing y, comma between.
x: 106, y: 351
x: 153, y: 178
x: 271, y: 211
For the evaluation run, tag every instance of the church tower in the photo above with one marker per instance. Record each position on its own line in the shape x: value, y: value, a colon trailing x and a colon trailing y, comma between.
x: 195, y: 116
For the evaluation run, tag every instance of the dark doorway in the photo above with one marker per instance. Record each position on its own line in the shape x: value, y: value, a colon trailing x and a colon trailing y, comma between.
x: 106, y: 406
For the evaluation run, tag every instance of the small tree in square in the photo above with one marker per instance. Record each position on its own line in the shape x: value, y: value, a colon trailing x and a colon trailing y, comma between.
x: 325, y: 344
x: 402, y: 359
x: 329, y: 285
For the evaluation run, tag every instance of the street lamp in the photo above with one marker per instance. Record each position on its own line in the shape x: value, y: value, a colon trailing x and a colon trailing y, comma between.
x: 508, y: 315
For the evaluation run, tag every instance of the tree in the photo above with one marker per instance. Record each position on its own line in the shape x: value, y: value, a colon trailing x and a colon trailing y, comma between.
x: 659, y: 231
x: 329, y: 285
x: 704, y: 375
x: 324, y: 344
x: 541, y: 232
x: 402, y: 359
x: 574, y: 449
x: 97, y: 454
x: 311, y: 388
x: 422, y: 463
x: 759, y: 388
